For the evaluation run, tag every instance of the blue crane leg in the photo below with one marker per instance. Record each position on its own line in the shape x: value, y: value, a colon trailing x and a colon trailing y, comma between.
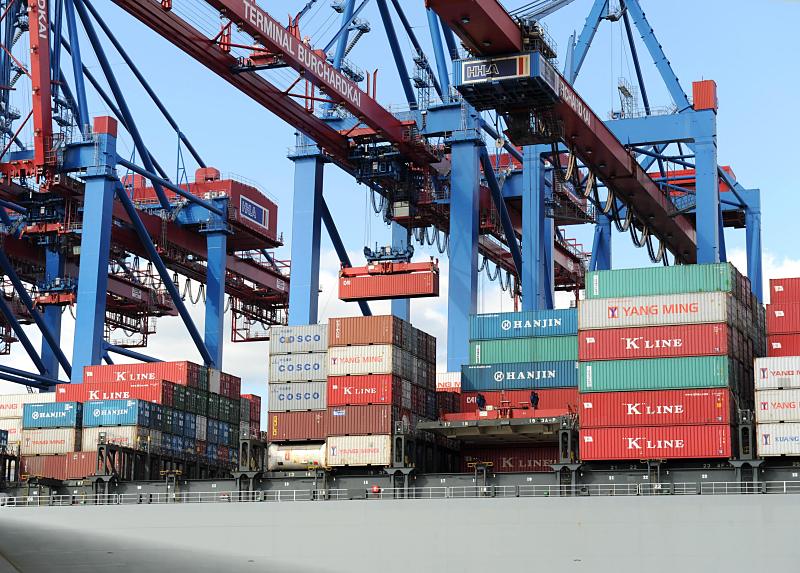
x: 753, y: 240
x: 708, y: 217
x: 601, y: 246
x: 216, y: 243
x: 533, y: 219
x: 54, y: 268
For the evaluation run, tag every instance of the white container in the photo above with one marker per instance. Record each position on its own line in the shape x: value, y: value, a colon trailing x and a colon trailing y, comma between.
x: 295, y: 458
x: 50, y: 441
x: 298, y: 396
x: 448, y: 381
x: 291, y: 339
x: 201, y: 428
x: 14, y: 428
x: 359, y: 451
x: 312, y: 366
x: 128, y: 436
x: 244, y: 430
x: 374, y: 359
x: 779, y: 372
x: 778, y: 439
x: 11, y: 405
x: 777, y: 406
x: 689, y: 308
x: 214, y: 377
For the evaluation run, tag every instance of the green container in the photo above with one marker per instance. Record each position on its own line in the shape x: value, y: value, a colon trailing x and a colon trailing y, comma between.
x: 657, y: 374
x: 511, y: 350
x: 213, y: 406
x: 202, y: 402
x: 202, y: 378
x: 677, y: 279
x: 179, y: 398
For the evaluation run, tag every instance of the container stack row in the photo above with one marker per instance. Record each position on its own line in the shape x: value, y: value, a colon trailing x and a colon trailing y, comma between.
x: 666, y: 358
x: 783, y: 317
x: 11, y: 411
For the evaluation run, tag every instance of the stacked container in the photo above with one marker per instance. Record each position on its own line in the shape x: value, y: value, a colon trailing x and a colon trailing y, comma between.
x: 250, y: 415
x: 51, y: 428
x: 666, y: 356
x: 783, y: 318
x: 777, y: 382
x: 11, y: 411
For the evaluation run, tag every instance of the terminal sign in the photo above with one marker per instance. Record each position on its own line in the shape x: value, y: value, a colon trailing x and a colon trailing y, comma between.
x: 253, y: 212
x: 485, y: 70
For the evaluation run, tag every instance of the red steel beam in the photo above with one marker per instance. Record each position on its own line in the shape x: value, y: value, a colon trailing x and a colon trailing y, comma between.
x: 39, y: 23
x: 483, y: 26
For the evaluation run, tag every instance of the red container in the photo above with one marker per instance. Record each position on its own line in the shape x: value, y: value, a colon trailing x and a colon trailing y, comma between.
x: 296, y: 426
x: 230, y: 385
x: 704, y: 95
x: 447, y: 402
x: 784, y: 291
x: 363, y: 330
x: 363, y: 420
x: 783, y: 345
x: 76, y: 465
x: 369, y: 389
x: 512, y: 459
x: 655, y: 443
x: 783, y: 318
x: 654, y: 342
x: 183, y: 373
x: 657, y: 408
x: 159, y: 392
x: 549, y: 399
x: 361, y: 284
x: 255, y: 406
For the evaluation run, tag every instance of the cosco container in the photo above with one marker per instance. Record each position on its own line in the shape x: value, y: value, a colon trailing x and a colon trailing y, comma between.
x: 783, y: 318
x: 158, y: 391
x: 296, y: 396
x: 369, y: 389
x: 359, y: 451
x: 448, y: 382
x: 358, y: 420
x: 308, y: 367
x: 135, y: 437
x: 784, y: 291
x: 291, y: 339
x: 654, y: 281
x: 523, y: 324
x: 11, y: 404
x: 546, y: 349
x: 49, y: 441
x: 52, y: 415
x: 296, y: 426
x: 507, y: 459
x: 183, y: 373
x: 13, y: 427
x: 691, y: 308
x: 656, y: 342
x: 377, y: 359
x: 514, y: 376
x: 296, y: 457
x: 655, y: 408
x: 117, y: 413
x: 783, y: 345
x: 778, y: 439
x: 655, y: 374
x: 777, y: 372
x: 655, y: 442
x: 777, y: 406
x: 557, y: 399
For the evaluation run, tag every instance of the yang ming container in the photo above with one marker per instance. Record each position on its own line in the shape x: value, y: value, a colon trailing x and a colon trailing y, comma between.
x: 52, y: 415
x: 448, y: 382
x: 653, y: 281
x: 309, y: 367
x: 655, y: 408
x: 296, y: 426
x: 777, y: 372
x: 513, y: 376
x: 377, y: 359
x: 11, y: 405
x: 546, y: 349
x: 510, y: 459
x: 692, y: 308
x: 656, y: 342
x: 359, y: 451
x: 134, y: 437
x: 784, y: 291
x: 296, y: 396
x: 777, y: 406
x: 291, y: 339
x: 296, y: 457
x: 50, y: 441
x: 555, y: 399
x: 656, y: 374
x: 13, y: 427
x: 655, y: 443
x: 523, y: 324
x: 117, y: 413
x: 778, y: 439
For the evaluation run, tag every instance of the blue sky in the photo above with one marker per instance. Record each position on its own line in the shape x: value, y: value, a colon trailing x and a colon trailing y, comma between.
x: 745, y: 46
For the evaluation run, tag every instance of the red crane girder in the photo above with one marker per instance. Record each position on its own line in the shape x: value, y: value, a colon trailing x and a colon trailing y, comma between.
x: 483, y: 25
x: 39, y: 23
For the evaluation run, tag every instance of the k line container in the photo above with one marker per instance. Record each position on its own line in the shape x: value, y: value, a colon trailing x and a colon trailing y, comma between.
x: 783, y: 318
x: 784, y: 291
x: 655, y: 374
x: 783, y: 345
x: 377, y: 359
x: 559, y: 399
x: 653, y: 281
x: 11, y: 405
x: 14, y: 428
x: 777, y: 372
x: 135, y: 437
x: 308, y: 367
x: 655, y: 443
x: 655, y: 342
x: 120, y: 413
x: 516, y: 376
x: 52, y: 415
x: 777, y: 406
x: 157, y: 391
x: 655, y: 408
x: 291, y: 339
x: 369, y: 389
x: 361, y: 420
x: 359, y: 451
x: 523, y: 324
x: 296, y: 426
x: 296, y: 457
x: 666, y: 310
x: 545, y: 349
x: 778, y: 439
x: 448, y: 382
x: 296, y: 396
x: 50, y: 441
x: 510, y: 459
x: 183, y: 373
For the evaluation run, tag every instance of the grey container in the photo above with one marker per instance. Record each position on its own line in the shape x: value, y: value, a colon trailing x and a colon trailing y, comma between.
x: 298, y: 396
x: 293, y: 339
x: 308, y: 367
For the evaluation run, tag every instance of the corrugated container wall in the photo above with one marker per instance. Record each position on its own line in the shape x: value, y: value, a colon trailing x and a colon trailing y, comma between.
x: 512, y: 459
x: 692, y: 308
x: 655, y: 374
x: 183, y: 373
x: 296, y: 426
x: 558, y: 399
x: 777, y: 406
x: 652, y: 281
x: 357, y: 331
x: 295, y: 457
x: 290, y: 339
x: 311, y: 367
x: 548, y: 349
x: 655, y: 443
x: 448, y: 381
x: 119, y: 413
x: 376, y: 359
x: 297, y: 396
x: 783, y: 345
x: 134, y: 437
x: 356, y: 420
x: 523, y: 324
x: 775, y: 373
x: 14, y: 428
x: 784, y: 291
x: 515, y: 376
x: 783, y: 318
x: 389, y: 286
x: 49, y: 441
x: 655, y: 342
x: 158, y: 391
x: 370, y: 389
x: 778, y: 439
x: 359, y: 451
x: 11, y: 405
x: 52, y: 415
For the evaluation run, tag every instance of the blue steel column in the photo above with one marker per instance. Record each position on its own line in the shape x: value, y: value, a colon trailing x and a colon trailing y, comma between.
x: 306, y: 229
x: 752, y: 219
x: 442, y: 66
x: 216, y: 243
x: 463, y: 279
x: 601, y: 246
x: 54, y: 268
x: 708, y: 205
x: 533, y: 223
x: 401, y: 307
x: 95, y: 244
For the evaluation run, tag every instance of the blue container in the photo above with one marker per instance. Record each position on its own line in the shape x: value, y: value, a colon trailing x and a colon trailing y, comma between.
x: 178, y: 422
x: 212, y: 432
x: 3, y: 438
x: 521, y: 376
x: 116, y: 413
x: 157, y: 416
x: 52, y: 415
x: 167, y: 443
x: 189, y: 425
x: 187, y: 448
x: 524, y: 324
x: 224, y: 433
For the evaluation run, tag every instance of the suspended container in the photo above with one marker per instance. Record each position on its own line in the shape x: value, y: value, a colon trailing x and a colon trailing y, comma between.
x: 359, y: 451
x: 298, y: 396
x: 387, y: 280
x: 52, y: 415
x: 312, y: 366
x: 513, y: 376
x: 777, y: 373
x: 661, y: 310
x: 526, y: 324
x: 655, y: 443
x: 296, y: 457
x: 657, y: 374
x: 546, y: 349
x: 657, y: 342
x: 294, y: 339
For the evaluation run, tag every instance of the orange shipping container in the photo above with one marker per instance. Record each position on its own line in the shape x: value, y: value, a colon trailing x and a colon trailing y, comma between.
x: 296, y: 426
x: 704, y: 94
